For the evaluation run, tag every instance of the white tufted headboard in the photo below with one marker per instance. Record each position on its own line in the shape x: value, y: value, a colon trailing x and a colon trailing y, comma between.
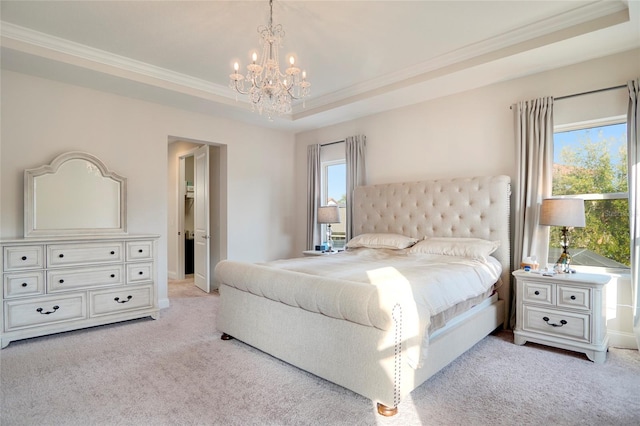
x: 461, y: 207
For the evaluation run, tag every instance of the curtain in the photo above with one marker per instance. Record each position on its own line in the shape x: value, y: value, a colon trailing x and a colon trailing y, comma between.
x: 356, y: 174
x: 534, y: 139
x: 633, y: 155
x: 313, y: 195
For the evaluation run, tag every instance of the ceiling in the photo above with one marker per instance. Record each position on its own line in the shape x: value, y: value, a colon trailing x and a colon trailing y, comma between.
x: 361, y: 57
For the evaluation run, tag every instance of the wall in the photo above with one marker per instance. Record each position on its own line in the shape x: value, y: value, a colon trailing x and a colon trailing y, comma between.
x: 43, y: 118
x: 472, y: 134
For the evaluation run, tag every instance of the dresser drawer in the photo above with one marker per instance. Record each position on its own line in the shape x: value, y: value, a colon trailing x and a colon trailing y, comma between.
x: 16, y: 258
x: 23, y: 313
x: 138, y: 273
x: 23, y: 284
x: 568, y: 325
x: 574, y: 297
x: 76, y: 278
x: 139, y: 250
x: 536, y: 292
x: 80, y: 254
x: 106, y: 302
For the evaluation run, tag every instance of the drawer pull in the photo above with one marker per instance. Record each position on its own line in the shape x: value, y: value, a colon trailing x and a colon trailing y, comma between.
x: 129, y: 297
x: 113, y: 275
x: 24, y: 257
x: 113, y: 252
x: 537, y: 293
x: 140, y: 251
x: 61, y: 255
x: 562, y: 322
x: 55, y: 308
x: 24, y: 284
x: 61, y: 281
x: 573, y: 298
x: 140, y: 273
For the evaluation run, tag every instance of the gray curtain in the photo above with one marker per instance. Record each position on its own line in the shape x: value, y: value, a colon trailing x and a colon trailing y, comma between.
x: 356, y: 173
x: 633, y: 155
x: 313, y: 195
x: 534, y: 138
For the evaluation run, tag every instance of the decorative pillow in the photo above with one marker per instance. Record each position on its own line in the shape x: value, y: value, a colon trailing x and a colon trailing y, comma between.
x: 474, y: 248
x: 387, y: 241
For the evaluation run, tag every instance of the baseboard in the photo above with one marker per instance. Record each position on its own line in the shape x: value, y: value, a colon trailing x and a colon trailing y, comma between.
x: 172, y: 275
x: 621, y: 339
x: 163, y: 303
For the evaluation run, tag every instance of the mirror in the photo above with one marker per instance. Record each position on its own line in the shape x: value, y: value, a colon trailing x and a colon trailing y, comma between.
x: 74, y: 195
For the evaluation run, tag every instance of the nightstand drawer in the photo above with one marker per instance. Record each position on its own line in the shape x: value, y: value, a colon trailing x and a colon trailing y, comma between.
x: 567, y: 325
x: 541, y: 293
x: 574, y: 297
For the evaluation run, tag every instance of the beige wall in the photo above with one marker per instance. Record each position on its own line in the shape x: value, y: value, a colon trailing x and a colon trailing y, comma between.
x: 472, y: 134
x: 43, y: 118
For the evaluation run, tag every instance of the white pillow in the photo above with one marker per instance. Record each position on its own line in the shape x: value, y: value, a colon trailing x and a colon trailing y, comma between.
x: 387, y: 241
x: 475, y: 248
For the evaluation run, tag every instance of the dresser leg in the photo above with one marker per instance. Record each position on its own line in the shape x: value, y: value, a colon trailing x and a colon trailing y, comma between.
x: 598, y: 357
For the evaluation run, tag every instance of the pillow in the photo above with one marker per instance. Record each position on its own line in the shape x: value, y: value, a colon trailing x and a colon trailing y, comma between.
x: 387, y: 241
x: 474, y: 248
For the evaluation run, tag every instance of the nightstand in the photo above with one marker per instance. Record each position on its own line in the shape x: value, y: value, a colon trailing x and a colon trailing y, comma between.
x: 319, y: 252
x: 565, y: 311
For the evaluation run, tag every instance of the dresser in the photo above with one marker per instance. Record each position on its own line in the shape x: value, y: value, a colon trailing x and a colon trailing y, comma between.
x: 52, y: 285
x: 565, y: 311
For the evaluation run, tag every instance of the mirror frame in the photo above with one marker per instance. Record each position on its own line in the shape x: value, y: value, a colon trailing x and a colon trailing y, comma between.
x: 30, y: 229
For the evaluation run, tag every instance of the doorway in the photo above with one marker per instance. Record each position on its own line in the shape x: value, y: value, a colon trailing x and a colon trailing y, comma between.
x: 197, y: 237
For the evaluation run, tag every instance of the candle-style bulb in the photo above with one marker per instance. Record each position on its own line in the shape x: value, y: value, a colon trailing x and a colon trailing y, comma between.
x: 292, y: 60
x: 254, y: 57
x: 236, y: 66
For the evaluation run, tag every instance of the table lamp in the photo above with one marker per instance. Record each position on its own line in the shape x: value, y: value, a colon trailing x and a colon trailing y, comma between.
x: 565, y: 212
x: 328, y: 215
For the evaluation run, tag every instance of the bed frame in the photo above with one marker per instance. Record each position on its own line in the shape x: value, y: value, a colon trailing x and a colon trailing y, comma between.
x: 367, y: 360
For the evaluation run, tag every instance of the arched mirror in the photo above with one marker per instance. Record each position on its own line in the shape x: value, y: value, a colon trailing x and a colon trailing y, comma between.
x: 74, y: 195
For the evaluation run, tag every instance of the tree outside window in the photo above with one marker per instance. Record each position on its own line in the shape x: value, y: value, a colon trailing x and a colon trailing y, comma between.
x: 591, y: 163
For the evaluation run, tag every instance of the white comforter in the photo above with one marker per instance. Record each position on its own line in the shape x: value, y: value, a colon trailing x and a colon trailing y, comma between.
x: 427, y: 284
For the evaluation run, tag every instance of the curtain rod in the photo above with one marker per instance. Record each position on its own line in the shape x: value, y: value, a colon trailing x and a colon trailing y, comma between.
x: 606, y: 89
x: 331, y: 143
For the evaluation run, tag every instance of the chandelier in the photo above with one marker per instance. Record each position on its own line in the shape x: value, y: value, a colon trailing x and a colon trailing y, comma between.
x: 269, y: 89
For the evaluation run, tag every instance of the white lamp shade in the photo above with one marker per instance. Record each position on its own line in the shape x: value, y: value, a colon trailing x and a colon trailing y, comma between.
x: 562, y: 212
x: 328, y: 214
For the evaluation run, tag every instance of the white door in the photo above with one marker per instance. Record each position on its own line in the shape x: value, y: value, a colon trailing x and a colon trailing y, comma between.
x: 202, y: 237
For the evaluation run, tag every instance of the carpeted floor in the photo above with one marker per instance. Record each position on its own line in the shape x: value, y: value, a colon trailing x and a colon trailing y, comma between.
x: 177, y: 371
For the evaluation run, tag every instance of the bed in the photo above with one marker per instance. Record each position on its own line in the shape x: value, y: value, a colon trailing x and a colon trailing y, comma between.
x: 361, y: 319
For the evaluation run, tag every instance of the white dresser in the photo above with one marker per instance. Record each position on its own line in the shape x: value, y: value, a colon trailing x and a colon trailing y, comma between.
x: 564, y: 311
x: 66, y: 283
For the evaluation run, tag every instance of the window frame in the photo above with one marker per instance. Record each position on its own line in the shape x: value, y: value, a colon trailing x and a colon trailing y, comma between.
x: 584, y: 125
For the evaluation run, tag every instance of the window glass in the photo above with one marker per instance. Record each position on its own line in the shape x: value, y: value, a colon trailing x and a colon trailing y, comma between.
x: 591, y: 163
x: 334, y: 179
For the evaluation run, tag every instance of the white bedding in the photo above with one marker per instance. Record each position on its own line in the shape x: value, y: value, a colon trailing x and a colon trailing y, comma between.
x: 428, y: 284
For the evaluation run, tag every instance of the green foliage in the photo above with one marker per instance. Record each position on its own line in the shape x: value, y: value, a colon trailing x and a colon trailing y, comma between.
x: 590, y: 169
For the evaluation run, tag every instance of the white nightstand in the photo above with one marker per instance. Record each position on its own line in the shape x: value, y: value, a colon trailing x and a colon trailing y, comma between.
x: 565, y: 311
x: 319, y: 252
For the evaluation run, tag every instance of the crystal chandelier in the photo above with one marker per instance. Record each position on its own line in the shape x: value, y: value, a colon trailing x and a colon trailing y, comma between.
x: 269, y: 89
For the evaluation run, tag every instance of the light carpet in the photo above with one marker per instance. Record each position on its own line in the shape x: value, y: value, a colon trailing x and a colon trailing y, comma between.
x: 177, y: 371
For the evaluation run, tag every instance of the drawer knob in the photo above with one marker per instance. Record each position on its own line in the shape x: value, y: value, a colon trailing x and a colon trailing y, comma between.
x: 61, y: 281
x: 113, y: 252
x: 573, y: 298
x: 24, y: 284
x: 129, y: 297
x: 61, y: 255
x: 140, y: 273
x: 562, y: 322
x: 140, y: 251
x: 24, y: 257
x: 55, y: 308
x: 113, y: 275
x: 537, y: 293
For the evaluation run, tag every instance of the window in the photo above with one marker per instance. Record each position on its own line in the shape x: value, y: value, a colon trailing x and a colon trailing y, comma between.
x: 590, y: 162
x: 334, y: 191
